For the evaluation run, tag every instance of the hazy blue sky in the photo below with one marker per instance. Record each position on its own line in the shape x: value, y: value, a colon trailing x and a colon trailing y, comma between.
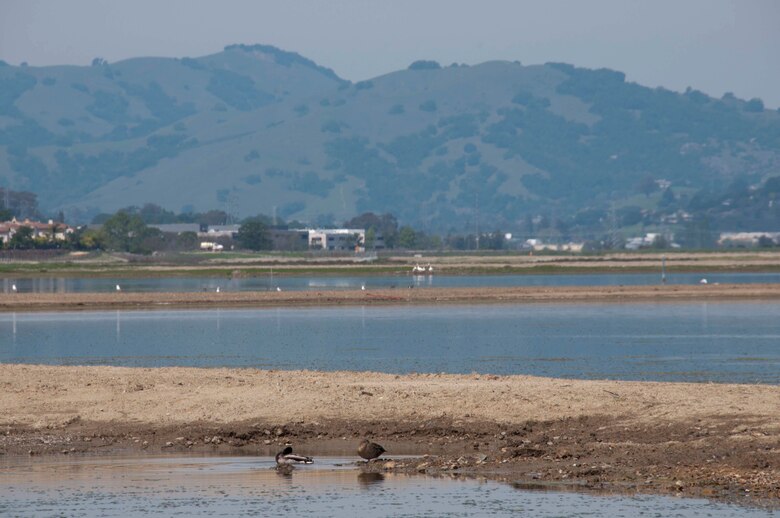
x: 712, y: 45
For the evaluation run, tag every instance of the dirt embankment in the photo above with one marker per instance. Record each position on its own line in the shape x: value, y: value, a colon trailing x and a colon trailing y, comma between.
x: 400, y: 295
x: 695, y: 439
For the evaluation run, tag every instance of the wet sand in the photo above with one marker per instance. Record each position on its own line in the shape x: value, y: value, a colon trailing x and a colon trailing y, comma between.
x: 400, y: 295
x: 719, y: 441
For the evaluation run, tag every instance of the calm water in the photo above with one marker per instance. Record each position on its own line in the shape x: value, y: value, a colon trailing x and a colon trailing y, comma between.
x: 185, y: 284
x: 228, y: 486
x: 720, y: 342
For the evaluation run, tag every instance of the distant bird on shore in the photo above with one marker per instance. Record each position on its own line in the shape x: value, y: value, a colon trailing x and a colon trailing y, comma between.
x: 370, y: 450
x: 118, y: 288
x: 278, y: 288
x: 363, y: 287
x: 217, y: 289
x: 286, y: 457
x: 13, y: 288
x: 703, y: 281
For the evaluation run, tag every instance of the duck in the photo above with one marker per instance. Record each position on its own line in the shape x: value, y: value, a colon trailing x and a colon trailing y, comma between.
x: 370, y: 450
x: 286, y: 457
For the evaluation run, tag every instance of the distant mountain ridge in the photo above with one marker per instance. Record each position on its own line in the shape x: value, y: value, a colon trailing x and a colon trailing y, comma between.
x: 257, y: 129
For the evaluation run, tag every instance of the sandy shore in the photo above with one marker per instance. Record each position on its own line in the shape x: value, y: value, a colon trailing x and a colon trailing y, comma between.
x: 695, y: 439
x: 128, y: 300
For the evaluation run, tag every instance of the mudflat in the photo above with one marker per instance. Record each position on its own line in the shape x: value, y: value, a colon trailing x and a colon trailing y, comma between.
x: 401, y: 295
x: 714, y: 440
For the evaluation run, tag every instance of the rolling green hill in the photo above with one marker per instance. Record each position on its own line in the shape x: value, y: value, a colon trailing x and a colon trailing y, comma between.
x: 255, y: 129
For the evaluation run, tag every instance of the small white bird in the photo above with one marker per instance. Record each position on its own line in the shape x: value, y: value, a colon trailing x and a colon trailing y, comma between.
x: 278, y: 288
x: 118, y: 288
x: 703, y: 281
x: 363, y: 287
x: 217, y: 289
x: 13, y: 288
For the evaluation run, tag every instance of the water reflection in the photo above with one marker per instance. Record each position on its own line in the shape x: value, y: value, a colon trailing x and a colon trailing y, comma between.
x: 205, y: 486
x: 720, y: 342
x: 370, y: 479
x: 324, y: 283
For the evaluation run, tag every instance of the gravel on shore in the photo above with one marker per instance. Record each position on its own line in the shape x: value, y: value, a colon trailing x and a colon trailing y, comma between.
x: 713, y: 440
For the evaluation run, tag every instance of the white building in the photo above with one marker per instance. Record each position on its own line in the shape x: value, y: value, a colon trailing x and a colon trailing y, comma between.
x: 353, y: 239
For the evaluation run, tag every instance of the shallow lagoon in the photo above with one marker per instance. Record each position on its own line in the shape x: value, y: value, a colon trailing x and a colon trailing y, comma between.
x: 718, y: 342
x: 198, y: 486
x: 347, y: 282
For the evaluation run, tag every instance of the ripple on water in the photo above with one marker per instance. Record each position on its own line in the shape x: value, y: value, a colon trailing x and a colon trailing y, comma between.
x: 207, y: 486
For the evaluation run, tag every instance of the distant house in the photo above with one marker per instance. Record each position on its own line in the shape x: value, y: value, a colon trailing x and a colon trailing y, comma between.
x: 52, y: 229
x: 177, y: 228
x: 746, y: 239
x: 215, y: 231
x: 338, y: 239
x: 649, y: 240
x: 538, y: 246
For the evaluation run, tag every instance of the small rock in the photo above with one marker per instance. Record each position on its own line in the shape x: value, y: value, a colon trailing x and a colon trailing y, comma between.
x: 389, y: 465
x: 267, y: 442
x: 168, y: 444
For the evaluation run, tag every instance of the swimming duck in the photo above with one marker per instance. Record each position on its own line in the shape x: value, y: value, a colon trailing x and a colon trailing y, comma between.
x: 370, y: 450
x: 287, y: 457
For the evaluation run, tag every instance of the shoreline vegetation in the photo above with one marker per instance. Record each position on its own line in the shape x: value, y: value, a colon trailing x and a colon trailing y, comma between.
x: 707, y: 440
x: 229, y: 264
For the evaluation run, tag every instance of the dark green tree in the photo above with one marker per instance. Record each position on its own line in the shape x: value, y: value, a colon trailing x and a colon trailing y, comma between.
x: 647, y: 185
x: 407, y: 237
x: 253, y: 235
x: 384, y: 226
x: 667, y: 198
x: 125, y: 232
x: 370, y: 238
x: 22, y: 238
